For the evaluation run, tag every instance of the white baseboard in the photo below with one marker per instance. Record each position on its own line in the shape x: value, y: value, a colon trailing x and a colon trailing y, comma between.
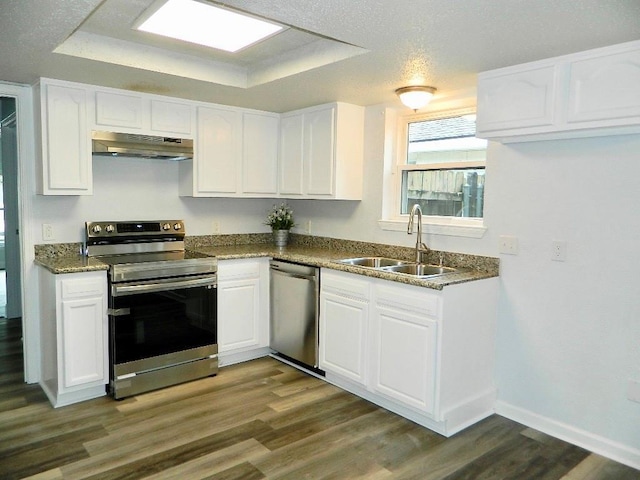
x: 587, y: 440
x: 231, y: 358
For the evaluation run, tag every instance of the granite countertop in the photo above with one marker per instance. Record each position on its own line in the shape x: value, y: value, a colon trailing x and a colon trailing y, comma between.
x: 315, y: 251
x: 71, y: 264
x: 329, y: 258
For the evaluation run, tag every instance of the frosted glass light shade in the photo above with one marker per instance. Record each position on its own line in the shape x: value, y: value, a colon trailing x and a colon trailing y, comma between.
x: 415, y: 97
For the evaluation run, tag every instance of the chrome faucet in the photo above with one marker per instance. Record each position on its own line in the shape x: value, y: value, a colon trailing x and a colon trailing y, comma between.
x: 421, y: 248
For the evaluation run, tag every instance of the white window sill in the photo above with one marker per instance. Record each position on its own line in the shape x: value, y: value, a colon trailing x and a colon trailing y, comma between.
x: 453, y: 227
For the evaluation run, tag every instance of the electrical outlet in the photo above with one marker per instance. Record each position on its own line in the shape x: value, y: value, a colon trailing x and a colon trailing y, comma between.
x: 508, y: 244
x: 215, y: 227
x: 47, y: 232
x: 558, y: 251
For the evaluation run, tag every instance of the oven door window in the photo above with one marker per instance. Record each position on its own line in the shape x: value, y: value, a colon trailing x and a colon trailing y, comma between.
x: 153, y: 324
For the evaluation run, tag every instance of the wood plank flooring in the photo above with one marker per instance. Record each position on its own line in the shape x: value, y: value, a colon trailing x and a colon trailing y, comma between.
x: 260, y: 420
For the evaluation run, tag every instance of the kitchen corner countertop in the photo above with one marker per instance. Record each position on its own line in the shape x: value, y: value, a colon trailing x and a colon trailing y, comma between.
x: 329, y: 258
x: 472, y: 268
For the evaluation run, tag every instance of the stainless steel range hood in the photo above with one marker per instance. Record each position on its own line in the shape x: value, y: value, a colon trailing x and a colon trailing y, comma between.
x: 146, y: 146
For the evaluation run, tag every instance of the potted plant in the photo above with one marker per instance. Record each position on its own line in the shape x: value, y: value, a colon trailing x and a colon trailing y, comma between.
x: 280, y: 219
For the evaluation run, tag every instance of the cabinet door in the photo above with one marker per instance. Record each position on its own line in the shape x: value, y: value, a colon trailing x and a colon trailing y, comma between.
x: 517, y: 99
x: 84, y: 341
x: 217, y: 155
x: 605, y: 88
x: 238, y: 314
x: 290, y: 156
x: 66, y: 142
x: 404, y: 357
x: 119, y: 110
x: 260, y: 153
x: 171, y: 117
x: 319, y: 151
x: 343, y: 334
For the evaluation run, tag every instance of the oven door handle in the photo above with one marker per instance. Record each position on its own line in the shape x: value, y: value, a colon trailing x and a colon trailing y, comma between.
x: 122, y: 290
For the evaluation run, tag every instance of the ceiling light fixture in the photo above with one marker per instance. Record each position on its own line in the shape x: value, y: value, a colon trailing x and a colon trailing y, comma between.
x: 416, y: 96
x: 204, y: 24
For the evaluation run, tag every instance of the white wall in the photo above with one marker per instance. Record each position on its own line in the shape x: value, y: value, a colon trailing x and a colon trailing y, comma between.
x: 568, y: 332
x: 143, y: 189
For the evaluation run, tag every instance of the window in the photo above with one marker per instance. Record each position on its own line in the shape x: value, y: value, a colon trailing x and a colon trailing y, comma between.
x: 442, y: 167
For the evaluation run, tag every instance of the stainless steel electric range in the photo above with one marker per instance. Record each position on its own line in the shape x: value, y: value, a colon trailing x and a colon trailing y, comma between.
x: 162, y: 305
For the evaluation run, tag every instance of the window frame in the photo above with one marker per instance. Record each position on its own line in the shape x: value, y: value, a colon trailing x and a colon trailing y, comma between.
x: 432, y: 224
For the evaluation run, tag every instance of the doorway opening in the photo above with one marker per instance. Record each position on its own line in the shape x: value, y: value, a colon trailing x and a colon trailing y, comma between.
x: 10, y: 305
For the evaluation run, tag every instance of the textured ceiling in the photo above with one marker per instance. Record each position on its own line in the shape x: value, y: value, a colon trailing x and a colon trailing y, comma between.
x: 356, y: 51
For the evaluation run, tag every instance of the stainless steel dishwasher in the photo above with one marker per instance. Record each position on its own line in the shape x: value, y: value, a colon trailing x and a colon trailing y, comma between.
x: 294, y: 311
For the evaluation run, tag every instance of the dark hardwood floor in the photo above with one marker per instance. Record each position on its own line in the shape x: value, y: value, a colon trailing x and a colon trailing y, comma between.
x: 260, y: 420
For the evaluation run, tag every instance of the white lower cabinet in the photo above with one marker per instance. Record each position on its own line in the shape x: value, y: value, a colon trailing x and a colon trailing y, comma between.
x: 404, y: 335
x: 243, y: 309
x: 74, y: 329
x: 424, y: 354
x: 344, y: 321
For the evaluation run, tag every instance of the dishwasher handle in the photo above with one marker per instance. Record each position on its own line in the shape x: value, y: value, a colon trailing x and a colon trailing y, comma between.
x: 295, y: 275
x: 302, y: 272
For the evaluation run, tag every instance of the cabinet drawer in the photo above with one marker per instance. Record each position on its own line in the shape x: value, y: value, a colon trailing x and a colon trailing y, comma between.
x: 236, y: 269
x: 416, y: 300
x: 347, y: 285
x: 78, y: 288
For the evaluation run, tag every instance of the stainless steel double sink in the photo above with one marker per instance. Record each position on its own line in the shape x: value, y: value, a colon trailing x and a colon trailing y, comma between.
x: 384, y: 264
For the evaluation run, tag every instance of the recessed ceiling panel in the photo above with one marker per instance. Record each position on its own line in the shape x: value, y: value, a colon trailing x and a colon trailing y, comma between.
x: 109, y: 35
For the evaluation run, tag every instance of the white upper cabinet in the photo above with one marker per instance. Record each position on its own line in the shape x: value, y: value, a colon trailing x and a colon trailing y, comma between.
x: 235, y: 155
x: 518, y: 100
x: 260, y: 153
x: 119, y: 110
x: 171, y: 117
x: 132, y: 112
x: 215, y: 168
x: 584, y: 94
x: 606, y: 87
x: 66, y: 140
x: 321, y: 152
x: 314, y: 153
x: 290, y: 179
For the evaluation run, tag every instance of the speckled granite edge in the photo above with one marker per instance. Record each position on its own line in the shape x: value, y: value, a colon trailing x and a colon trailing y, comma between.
x: 53, y: 250
x: 488, y: 265
x: 320, y: 251
x: 459, y: 260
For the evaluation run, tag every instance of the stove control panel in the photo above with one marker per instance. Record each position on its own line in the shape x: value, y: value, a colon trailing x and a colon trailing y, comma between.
x: 114, y: 229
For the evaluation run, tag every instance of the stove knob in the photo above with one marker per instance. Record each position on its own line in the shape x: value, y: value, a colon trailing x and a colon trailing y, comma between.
x: 166, y: 226
x: 96, y: 229
x: 177, y: 226
x: 110, y: 228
